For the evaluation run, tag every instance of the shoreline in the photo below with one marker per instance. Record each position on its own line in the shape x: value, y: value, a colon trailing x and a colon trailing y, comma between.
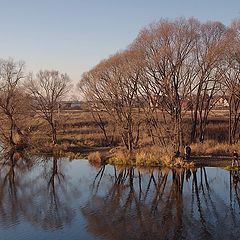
x: 103, y: 155
x: 106, y: 155
x: 211, y: 161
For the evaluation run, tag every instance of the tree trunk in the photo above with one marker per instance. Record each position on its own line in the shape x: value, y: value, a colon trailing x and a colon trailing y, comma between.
x: 101, y: 124
x: 54, y: 133
x: 11, y: 141
x: 230, y: 140
x: 178, y: 144
x: 195, y: 114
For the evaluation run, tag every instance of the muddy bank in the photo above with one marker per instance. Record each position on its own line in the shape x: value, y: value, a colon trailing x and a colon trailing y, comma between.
x: 211, y: 161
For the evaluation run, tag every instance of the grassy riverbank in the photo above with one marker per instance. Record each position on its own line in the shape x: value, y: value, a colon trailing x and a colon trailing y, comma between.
x: 79, y: 136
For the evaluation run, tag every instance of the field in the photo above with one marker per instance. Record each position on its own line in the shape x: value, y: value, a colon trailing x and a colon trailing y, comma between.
x: 79, y: 136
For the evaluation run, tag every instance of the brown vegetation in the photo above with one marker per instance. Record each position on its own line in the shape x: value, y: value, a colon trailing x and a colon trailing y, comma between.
x: 169, y: 63
x: 149, y: 100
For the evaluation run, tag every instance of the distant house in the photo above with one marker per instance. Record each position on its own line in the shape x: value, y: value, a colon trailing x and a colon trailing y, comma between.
x: 162, y: 101
x: 71, y: 105
x: 154, y: 101
x: 186, y: 104
x: 221, y: 102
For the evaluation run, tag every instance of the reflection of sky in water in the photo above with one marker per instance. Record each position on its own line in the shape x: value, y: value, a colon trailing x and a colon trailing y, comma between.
x: 68, y: 200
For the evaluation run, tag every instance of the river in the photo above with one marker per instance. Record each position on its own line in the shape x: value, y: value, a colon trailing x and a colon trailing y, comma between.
x: 61, y: 199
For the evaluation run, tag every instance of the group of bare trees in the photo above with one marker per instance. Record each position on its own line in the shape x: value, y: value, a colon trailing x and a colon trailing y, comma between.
x: 142, y: 87
x: 168, y: 63
x: 23, y: 96
x: 47, y: 91
x: 114, y: 84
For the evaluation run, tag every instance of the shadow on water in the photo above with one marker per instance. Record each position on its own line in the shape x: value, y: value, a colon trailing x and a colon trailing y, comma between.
x: 162, y: 204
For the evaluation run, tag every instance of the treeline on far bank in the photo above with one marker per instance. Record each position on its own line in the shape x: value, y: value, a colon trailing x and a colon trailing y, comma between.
x: 160, y: 93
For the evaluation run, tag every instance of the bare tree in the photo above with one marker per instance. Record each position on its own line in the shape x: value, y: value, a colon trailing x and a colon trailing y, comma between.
x: 47, y: 90
x: 209, y: 50
x: 167, y: 48
x: 169, y: 63
x: 112, y: 86
x: 230, y: 79
x: 14, y: 105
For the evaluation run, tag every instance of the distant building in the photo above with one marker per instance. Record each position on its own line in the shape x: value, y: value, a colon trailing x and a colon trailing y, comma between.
x: 162, y: 101
x: 71, y: 104
x: 186, y: 104
x: 221, y: 103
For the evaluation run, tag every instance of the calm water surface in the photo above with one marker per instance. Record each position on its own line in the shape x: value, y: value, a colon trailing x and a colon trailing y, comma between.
x: 59, y: 199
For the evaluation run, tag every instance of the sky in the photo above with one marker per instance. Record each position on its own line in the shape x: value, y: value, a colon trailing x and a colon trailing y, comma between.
x: 72, y: 36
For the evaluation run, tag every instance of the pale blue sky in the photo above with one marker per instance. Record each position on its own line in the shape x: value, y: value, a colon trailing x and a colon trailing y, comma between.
x: 74, y: 35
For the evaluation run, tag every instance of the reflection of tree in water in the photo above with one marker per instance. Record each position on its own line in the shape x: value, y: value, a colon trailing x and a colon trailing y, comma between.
x: 50, y: 207
x: 131, y: 206
x: 11, y: 164
x: 157, y: 205
x: 41, y: 197
x: 234, y: 191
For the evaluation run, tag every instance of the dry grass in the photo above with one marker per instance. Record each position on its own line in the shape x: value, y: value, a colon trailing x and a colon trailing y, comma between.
x: 120, y: 156
x: 96, y: 157
x: 154, y: 155
x: 78, y: 132
x: 148, y: 157
x: 181, y: 163
x: 214, y: 148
